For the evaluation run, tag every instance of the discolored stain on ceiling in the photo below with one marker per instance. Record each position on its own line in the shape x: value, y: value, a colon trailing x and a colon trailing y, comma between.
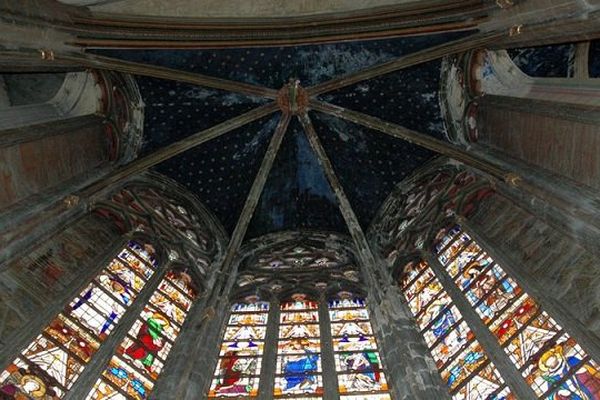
x: 409, y: 97
x: 369, y: 164
x: 175, y: 110
x: 297, y: 194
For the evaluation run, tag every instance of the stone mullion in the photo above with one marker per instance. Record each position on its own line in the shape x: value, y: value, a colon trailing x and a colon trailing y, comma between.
x: 99, y: 361
x: 581, y: 64
x: 177, y: 357
x: 330, y: 376
x: 549, y: 304
x: 410, y: 370
x: 19, y: 340
x: 484, y: 336
x: 269, y: 358
x: 203, y: 354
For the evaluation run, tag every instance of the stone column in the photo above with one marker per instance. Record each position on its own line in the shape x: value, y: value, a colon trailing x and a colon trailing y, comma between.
x: 411, y: 372
x: 203, y: 356
x: 178, y: 361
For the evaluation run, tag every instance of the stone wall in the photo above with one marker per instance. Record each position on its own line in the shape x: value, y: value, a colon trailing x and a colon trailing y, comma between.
x: 50, y: 273
x: 552, y: 264
x: 32, y: 167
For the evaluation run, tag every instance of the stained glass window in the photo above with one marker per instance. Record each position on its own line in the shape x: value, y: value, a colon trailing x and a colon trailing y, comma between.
x: 357, y: 361
x: 51, y: 364
x: 461, y: 360
x: 551, y: 361
x: 238, y: 370
x: 299, y: 350
x: 140, y: 357
x: 298, y: 371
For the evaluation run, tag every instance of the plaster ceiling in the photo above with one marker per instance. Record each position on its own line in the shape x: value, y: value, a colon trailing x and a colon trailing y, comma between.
x: 236, y: 8
x: 296, y: 195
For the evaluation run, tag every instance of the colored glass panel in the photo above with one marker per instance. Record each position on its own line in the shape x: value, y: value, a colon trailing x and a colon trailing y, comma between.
x: 564, y: 371
x: 348, y: 315
x: 463, y: 366
x: 364, y: 381
x: 299, y: 305
x: 298, y: 366
x: 245, y: 386
x: 357, y: 360
x: 439, y: 312
x: 553, y: 364
x: 367, y: 397
x: 347, y: 303
x: 351, y: 328
x: 237, y: 372
x: 445, y: 348
x: 485, y: 384
x: 104, y: 391
x: 140, y: 357
x: 292, y: 383
x: 454, y: 248
x: 359, y: 343
x: 293, y: 346
x: 306, y: 362
x: 55, y: 359
x: 243, y: 348
x: 299, y: 331
x: 298, y: 317
x: 245, y: 332
x: 125, y: 377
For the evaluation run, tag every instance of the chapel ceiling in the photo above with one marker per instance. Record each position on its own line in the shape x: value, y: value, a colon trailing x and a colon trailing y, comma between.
x: 296, y: 195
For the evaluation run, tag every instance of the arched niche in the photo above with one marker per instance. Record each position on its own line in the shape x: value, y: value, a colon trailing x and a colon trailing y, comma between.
x: 489, y: 103
x: 413, y: 213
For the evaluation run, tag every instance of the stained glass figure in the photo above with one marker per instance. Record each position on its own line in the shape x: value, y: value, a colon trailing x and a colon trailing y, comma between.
x: 238, y: 370
x: 359, y: 366
x: 299, y: 349
x: 551, y: 362
x: 461, y: 360
x: 140, y: 357
x: 51, y: 364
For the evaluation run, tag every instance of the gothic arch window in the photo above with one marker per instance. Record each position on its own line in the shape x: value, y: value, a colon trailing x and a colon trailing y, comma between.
x: 299, y: 359
x: 550, y: 361
x: 298, y: 351
x: 240, y: 357
x: 357, y: 359
x: 49, y: 366
x: 463, y: 363
x: 141, y: 355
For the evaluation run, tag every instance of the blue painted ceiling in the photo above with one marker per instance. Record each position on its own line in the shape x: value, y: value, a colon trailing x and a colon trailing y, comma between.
x: 296, y: 195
